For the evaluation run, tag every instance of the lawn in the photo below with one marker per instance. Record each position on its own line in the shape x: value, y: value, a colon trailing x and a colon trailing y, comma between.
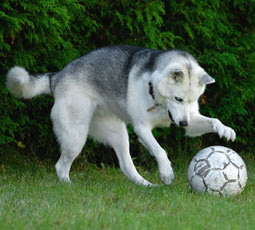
x: 31, y: 197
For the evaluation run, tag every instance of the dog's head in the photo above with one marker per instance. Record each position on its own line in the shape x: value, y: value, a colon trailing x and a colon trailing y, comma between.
x: 179, y: 87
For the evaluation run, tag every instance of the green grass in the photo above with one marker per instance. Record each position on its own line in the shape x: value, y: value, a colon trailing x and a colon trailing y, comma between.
x: 31, y: 197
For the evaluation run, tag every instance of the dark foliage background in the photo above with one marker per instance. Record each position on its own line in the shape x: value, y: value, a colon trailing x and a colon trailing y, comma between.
x: 45, y: 35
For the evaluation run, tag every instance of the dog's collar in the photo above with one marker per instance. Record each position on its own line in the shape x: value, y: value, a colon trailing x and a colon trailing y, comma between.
x: 151, y: 92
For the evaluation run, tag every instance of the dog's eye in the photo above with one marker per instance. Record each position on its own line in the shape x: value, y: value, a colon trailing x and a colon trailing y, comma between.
x: 178, y: 99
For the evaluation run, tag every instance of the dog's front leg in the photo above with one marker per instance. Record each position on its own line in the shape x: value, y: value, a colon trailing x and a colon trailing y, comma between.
x: 147, y: 139
x: 200, y: 125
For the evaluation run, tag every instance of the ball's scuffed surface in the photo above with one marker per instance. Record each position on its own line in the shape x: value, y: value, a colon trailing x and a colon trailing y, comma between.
x: 217, y: 170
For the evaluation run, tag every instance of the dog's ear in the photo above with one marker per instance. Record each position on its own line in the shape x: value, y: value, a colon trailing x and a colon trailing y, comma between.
x: 206, y: 79
x: 177, y: 75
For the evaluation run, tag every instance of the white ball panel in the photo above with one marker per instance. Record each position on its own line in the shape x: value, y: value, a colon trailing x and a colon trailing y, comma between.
x: 243, y: 176
x: 215, y: 180
x: 231, y: 172
x: 191, y: 171
x: 231, y: 189
x: 197, y: 184
x: 236, y: 159
x: 218, y: 160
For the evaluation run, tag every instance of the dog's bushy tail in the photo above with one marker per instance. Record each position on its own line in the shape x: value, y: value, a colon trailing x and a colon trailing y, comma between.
x: 23, y: 85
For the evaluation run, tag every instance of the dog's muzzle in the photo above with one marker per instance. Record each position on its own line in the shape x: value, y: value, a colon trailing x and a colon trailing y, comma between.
x: 170, y: 116
x: 183, y: 123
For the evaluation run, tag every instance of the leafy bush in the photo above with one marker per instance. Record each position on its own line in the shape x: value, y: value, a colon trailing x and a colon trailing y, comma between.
x: 45, y: 35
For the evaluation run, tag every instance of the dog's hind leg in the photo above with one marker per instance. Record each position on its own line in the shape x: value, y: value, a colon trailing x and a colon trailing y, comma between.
x: 71, y: 118
x: 112, y: 131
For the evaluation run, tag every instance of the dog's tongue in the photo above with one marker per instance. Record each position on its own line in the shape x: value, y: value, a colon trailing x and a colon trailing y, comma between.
x: 170, y: 116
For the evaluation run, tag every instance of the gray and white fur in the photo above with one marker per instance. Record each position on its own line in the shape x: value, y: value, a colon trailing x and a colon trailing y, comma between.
x: 100, y: 93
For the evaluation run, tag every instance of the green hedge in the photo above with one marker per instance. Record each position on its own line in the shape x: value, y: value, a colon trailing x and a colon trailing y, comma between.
x: 45, y: 35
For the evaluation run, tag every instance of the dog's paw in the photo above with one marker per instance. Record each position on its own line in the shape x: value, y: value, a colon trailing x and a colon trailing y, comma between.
x: 166, y: 173
x: 168, y: 180
x: 223, y: 130
x: 63, y: 173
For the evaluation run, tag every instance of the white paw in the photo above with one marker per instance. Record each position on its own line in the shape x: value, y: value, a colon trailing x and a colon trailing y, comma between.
x: 63, y: 175
x: 65, y: 180
x: 223, y: 130
x: 146, y: 183
x: 166, y: 173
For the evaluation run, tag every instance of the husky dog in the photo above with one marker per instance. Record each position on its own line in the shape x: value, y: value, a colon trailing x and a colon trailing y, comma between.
x: 101, y: 92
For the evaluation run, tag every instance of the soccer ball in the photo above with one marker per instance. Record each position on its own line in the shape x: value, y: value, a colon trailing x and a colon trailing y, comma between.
x: 217, y: 170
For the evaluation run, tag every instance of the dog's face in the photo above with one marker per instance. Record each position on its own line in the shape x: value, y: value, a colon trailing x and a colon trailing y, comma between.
x: 180, y: 86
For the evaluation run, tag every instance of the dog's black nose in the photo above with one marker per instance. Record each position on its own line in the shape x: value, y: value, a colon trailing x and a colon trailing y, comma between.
x: 183, y: 123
